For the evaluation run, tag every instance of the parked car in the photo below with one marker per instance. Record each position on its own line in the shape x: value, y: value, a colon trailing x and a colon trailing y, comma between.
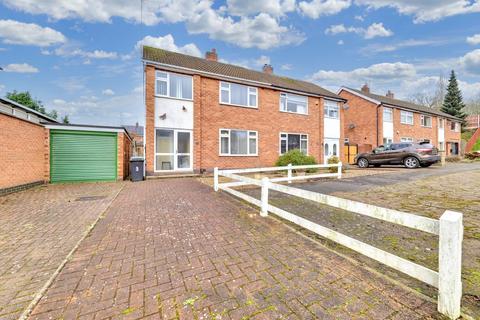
x: 411, y: 155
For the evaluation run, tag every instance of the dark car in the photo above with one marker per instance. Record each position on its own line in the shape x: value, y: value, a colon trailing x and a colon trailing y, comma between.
x: 411, y: 155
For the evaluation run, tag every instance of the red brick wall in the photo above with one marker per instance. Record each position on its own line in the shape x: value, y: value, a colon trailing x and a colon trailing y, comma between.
x: 361, y: 113
x: 123, y: 156
x: 24, y: 152
x: 267, y: 120
x: 415, y: 131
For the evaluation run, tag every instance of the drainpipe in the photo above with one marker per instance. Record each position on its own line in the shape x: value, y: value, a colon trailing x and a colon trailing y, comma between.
x: 377, y: 124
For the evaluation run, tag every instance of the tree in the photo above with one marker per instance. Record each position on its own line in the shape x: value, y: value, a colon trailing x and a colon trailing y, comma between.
x: 433, y: 100
x: 453, y: 103
x: 25, y: 99
x: 65, y: 119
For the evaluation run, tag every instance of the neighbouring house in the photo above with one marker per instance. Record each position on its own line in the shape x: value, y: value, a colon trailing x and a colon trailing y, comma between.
x: 36, y: 149
x: 472, y: 122
x: 372, y: 120
x: 201, y: 114
x: 136, y: 132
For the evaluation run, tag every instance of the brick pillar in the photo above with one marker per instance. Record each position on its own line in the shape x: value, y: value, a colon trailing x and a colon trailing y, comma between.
x: 321, y: 129
x: 341, y: 115
x: 120, y: 155
x: 197, y: 122
x: 149, y: 118
x: 46, y: 146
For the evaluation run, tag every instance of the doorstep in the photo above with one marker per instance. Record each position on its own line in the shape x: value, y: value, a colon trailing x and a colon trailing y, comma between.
x: 174, y: 175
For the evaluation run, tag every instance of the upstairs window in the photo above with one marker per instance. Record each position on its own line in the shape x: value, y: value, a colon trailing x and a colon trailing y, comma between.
x: 455, y: 126
x: 426, y: 121
x: 238, y: 95
x: 406, y: 117
x: 330, y: 109
x: 173, y: 85
x: 293, y: 103
x: 441, y: 123
x: 387, y: 115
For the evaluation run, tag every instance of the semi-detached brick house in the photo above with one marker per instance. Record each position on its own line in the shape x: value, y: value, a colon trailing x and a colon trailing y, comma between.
x: 202, y: 114
x: 372, y: 120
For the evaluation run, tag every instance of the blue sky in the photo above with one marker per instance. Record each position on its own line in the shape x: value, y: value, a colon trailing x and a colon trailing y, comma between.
x: 82, y: 58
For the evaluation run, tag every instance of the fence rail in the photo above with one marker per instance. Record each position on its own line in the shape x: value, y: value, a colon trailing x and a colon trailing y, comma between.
x: 449, y: 228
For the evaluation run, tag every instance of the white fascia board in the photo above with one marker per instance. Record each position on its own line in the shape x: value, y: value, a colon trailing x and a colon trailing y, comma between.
x: 83, y: 128
x: 359, y: 95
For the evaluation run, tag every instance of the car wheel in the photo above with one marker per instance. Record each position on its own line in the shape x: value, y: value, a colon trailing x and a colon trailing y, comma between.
x: 411, y: 162
x: 362, y: 163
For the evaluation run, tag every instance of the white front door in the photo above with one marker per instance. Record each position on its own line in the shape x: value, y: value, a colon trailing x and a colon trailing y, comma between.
x: 331, y: 148
x: 173, y: 150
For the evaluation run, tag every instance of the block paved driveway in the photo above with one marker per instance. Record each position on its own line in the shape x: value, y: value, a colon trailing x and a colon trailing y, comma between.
x: 38, y: 228
x: 174, y: 249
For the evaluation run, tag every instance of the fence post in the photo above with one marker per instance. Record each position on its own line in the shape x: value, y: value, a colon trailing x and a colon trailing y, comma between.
x: 264, y: 208
x: 289, y: 175
x: 215, y: 178
x: 450, y: 264
x: 340, y: 170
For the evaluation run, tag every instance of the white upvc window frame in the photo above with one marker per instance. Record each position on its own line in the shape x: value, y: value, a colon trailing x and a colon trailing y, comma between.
x: 228, y: 135
x: 250, y: 91
x: 406, y: 139
x: 292, y: 97
x: 387, y: 110
x: 328, y: 106
x: 441, y: 123
x: 167, y: 79
x: 456, y: 126
x: 422, y: 119
x: 407, y: 114
x: 302, y: 135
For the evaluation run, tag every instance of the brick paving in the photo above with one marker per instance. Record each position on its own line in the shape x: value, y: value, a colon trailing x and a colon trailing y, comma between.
x: 174, y: 249
x: 38, y: 228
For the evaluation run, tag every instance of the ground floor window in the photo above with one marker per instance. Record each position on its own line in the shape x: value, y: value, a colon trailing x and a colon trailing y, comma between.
x: 291, y: 141
x: 387, y: 141
x: 406, y: 139
x: 238, y: 142
x: 454, y: 148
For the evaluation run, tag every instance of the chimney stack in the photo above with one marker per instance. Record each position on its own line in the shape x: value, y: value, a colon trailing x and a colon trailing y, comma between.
x: 365, y: 88
x: 390, y: 94
x: 211, y: 55
x: 267, y: 68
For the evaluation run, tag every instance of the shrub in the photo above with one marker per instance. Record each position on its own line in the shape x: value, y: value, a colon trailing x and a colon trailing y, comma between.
x: 296, y: 158
x: 335, y: 160
x: 472, y: 155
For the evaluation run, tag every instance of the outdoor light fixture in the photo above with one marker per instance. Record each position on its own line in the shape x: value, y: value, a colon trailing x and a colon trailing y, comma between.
x: 184, y: 109
x: 163, y: 116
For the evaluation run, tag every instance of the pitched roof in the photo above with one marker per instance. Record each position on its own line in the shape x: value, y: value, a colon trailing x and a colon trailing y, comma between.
x: 233, y: 71
x: 402, y: 104
x: 136, y: 129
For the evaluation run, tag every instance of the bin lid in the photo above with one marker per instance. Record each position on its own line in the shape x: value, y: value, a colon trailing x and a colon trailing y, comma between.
x: 137, y: 159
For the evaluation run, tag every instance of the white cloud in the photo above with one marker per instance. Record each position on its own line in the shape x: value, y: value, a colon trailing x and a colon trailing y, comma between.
x: 72, y: 50
x: 424, y: 11
x: 286, y: 66
x: 262, y: 60
x: 20, y: 68
x: 340, y: 42
x: 14, y: 32
x: 396, y: 45
x: 359, y: 18
x: 373, y: 31
x: 471, y: 62
x: 316, y: 8
x: 263, y: 30
x: 474, y: 40
x: 376, y: 72
x: 108, y: 92
x: 2, y: 87
x: 168, y: 43
x: 276, y: 8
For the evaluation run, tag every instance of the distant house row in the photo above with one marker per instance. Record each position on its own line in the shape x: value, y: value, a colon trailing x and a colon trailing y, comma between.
x: 201, y: 114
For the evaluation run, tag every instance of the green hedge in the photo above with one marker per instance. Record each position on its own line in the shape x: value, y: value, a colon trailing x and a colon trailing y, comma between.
x: 296, y: 158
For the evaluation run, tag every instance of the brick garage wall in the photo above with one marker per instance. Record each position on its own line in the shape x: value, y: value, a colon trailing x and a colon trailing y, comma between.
x: 24, y: 153
x: 123, y: 156
x: 150, y: 118
x: 361, y: 113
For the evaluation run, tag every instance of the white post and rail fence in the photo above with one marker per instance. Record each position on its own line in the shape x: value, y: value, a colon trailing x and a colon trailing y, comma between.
x: 449, y: 227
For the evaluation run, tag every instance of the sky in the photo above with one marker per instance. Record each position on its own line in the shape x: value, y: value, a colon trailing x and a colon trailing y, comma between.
x: 82, y: 58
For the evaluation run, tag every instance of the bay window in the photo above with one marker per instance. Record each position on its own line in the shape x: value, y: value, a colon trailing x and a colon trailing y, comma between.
x: 173, y: 85
x: 291, y: 141
x: 406, y: 117
x: 293, y: 103
x: 330, y: 109
x: 238, y: 142
x: 238, y: 95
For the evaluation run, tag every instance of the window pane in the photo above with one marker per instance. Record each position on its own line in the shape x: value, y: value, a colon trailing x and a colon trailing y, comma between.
x: 283, y: 146
x: 293, y: 141
x: 162, y: 75
x: 239, y: 94
x: 224, y: 145
x: 334, y: 149
x: 161, y: 87
x: 164, y: 141
x: 333, y: 113
x: 239, y: 142
x: 291, y: 106
x: 325, y: 111
x: 224, y: 85
x: 186, y: 87
x: 183, y: 162
x: 175, y: 86
x: 224, y: 96
x: 303, y: 146
x: 183, y: 142
x: 283, y: 102
x: 252, y: 145
x: 253, y: 100
x: 326, y: 149
x: 164, y: 162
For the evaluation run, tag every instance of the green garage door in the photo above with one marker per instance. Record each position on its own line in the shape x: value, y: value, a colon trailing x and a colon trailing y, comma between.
x: 83, y: 156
